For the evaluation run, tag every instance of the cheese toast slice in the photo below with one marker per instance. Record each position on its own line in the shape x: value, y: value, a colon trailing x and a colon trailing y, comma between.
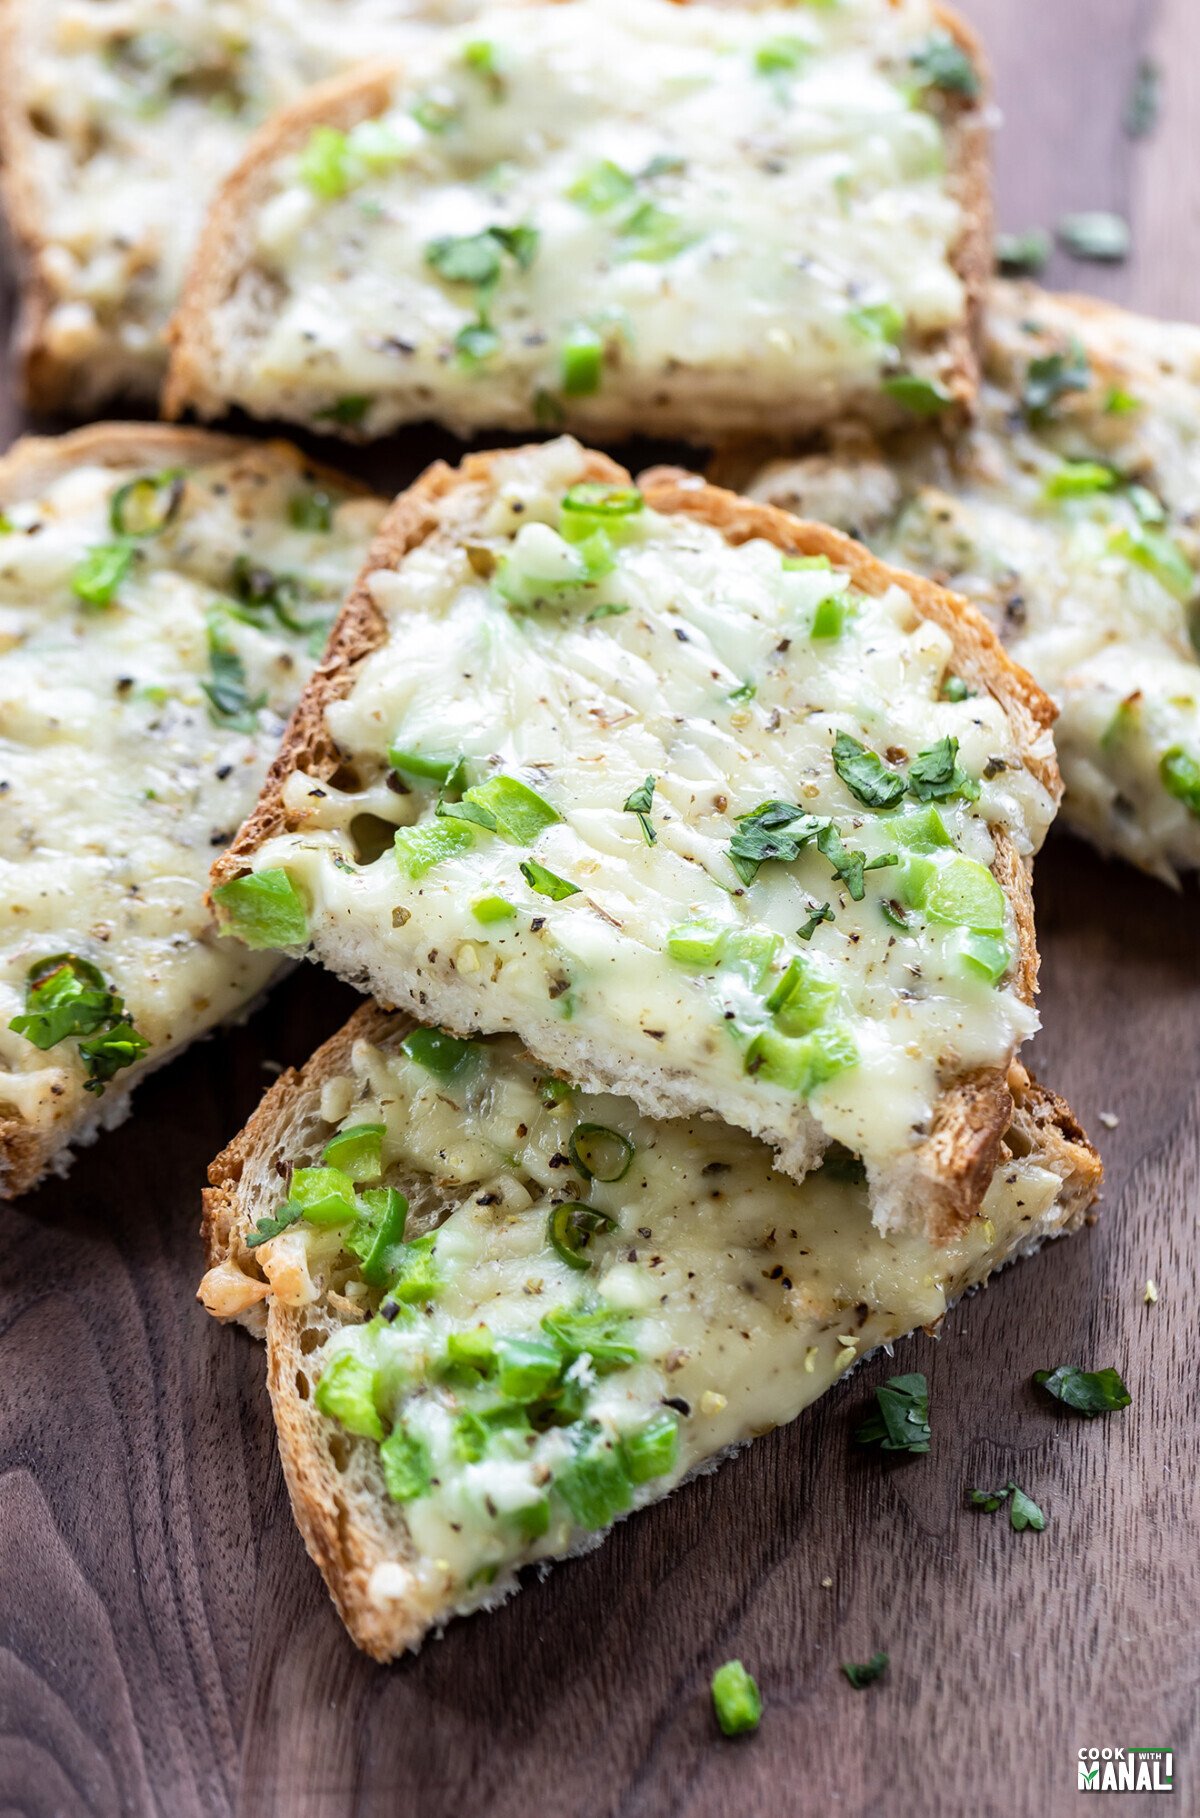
x: 670, y: 786
x: 500, y: 1313
x: 615, y: 215
x: 163, y: 596
x: 1069, y: 514
x: 117, y: 125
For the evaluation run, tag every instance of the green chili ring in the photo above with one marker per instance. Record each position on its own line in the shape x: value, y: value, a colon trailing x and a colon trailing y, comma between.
x: 571, y: 1228
x: 145, y: 506
x: 599, y: 1153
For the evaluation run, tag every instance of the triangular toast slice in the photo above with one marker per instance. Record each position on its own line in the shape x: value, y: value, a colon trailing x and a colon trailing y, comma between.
x: 160, y: 592
x: 581, y: 1308
x: 117, y: 126
x: 1069, y: 515
x: 706, y: 805
x: 622, y: 216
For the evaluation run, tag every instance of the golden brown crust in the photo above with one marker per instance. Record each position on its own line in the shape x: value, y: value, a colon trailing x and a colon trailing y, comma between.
x: 344, y: 1543
x: 1044, y: 1125
x: 225, y: 248
x: 219, y: 1200
x: 26, y: 470
x: 346, y: 1534
x: 973, y: 255
x: 45, y: 383
x: 960, y: 1153
x: 35, y: 462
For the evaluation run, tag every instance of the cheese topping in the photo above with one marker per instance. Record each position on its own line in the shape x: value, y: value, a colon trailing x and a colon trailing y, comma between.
x: 153, y: 639
x: 1070, y: 514
x: 721, y: 215
x: 135, y: 112
x: 525, y: 1391
x: 551, y: 820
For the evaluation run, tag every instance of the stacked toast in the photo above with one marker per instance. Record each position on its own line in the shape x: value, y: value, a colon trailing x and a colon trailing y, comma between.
x: 677, y: 828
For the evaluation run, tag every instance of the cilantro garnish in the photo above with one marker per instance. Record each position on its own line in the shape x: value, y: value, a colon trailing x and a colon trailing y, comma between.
x: 267, y: 1228
x: 941, y: 62
x: 546, y: 883
x: 865, y: 774
x: 1145, y: 99
x: 936, y: 774
x: 775, y: 830
x: 823, y: 914
x: 902, y: 1421
x: 1023, y: 1511
x: 67, y: 996
x: 230, y: 702
x: 259, y: 591
x: 105, y: 1054
x: 866, y: 1672
x: 848, y: 862
x: 640, y: 803
x: 478, y: 258
x: 1089, y: 1392
x: 1023, y: 254
x: 780, y: 830
x: 1051, y: 377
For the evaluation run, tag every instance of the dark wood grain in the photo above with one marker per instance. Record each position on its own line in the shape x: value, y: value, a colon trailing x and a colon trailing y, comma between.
x: 165, y: 1648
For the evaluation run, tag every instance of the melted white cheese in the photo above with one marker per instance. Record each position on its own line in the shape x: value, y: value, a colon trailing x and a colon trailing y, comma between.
x: 746, y: 1295
x: 116, y: 783
x: 137, y: 111
x: 1095, y: 625
x: 716, y: 195
x: 584, y: 708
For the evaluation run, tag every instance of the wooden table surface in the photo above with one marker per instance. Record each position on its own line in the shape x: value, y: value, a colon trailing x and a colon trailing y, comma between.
x: 165, y: 1646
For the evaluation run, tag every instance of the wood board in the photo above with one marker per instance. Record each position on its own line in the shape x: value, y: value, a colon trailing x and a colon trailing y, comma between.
x: 165, y: 1646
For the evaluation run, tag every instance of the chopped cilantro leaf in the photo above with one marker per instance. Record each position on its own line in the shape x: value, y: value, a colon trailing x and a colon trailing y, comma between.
x: 478, y: 258
x: 936, y: 774
x: 1022, y: 255
x: 267, y: 1228
x: 823, y: 914
x: 867, y: 1672
x: 1053, y: 376
x: 230, y: 703
x: 67, y: 996
x: 1023, y: 1512
x: 865, y: 774
x: 1089, y: 1392
x: 941, y: 62
x: 1145, y: 99
x: 545, y: 882
x: 776, y: 830
x: 640, y: 803
x: 105, y: 1054
x: 901, y: 1423
x: 1095, y: 235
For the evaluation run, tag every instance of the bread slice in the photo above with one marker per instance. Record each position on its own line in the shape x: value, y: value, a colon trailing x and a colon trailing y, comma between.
x: 117, y: 124
x: 798, y: 1286
x: 1069, y: 515
x: 119, y: 772
x: 629, y: 941
x: 613, y: 218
